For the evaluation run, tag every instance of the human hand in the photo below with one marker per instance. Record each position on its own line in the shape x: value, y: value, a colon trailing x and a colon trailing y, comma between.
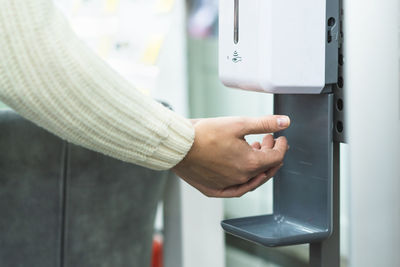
x: 222, y: 164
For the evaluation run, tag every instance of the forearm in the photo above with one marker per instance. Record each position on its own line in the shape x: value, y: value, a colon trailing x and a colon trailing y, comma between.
x: 51, y: 78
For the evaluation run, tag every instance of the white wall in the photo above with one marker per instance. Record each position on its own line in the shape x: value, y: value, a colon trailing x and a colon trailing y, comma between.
x: 372, y: 87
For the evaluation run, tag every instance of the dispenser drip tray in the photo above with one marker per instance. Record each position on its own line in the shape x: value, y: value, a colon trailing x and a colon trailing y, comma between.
x: 274, y: 230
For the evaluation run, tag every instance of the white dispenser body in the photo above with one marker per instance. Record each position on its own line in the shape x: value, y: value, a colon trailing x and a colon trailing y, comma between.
x: 275, y: 46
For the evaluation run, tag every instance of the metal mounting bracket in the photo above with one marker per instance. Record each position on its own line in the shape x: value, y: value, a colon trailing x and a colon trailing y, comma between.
x: 303, y: 187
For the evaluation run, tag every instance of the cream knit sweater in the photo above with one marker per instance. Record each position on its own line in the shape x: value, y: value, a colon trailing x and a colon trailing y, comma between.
x: 50, y: 77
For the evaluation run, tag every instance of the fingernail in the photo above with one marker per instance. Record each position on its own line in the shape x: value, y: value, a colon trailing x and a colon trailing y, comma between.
x: 283, y: 121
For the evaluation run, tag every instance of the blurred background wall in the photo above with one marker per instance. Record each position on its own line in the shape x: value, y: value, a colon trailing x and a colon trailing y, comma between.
x: 168, y: 49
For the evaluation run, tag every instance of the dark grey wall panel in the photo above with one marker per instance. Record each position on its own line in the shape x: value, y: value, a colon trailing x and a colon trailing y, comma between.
x: 110, y: 211
x: 63, y: 205
x: 30, y: 193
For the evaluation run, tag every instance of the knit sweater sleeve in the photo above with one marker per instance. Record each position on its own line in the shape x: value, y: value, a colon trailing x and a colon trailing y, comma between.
x: 50, y: 77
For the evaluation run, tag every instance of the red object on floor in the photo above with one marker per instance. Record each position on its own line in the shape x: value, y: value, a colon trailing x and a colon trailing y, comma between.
x: 157, y: 257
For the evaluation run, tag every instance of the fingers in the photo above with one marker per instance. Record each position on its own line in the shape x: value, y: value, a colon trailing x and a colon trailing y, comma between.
x: 281, y: 145
x: 274, y: 156
x: 270, y: 173
x: 251, y: 185
x: 256, y: 145
x: 240, y: 190
x: 236, y: 190
x: 268, y: 141
x: 267, y: 124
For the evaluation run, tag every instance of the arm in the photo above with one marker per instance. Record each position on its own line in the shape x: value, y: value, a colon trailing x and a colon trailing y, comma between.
x: 50, y: 77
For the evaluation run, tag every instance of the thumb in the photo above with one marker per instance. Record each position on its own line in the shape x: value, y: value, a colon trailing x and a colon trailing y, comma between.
x: 263, y: 125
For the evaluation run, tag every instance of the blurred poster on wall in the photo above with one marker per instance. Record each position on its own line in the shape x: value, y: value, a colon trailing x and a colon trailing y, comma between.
x: 132, y: 36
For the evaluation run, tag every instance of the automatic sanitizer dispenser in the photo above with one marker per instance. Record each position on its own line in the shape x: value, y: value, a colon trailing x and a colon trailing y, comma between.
x: 288, y: 48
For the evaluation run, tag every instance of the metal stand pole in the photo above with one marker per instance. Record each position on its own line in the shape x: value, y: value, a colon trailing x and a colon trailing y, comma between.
x: 327, y: 253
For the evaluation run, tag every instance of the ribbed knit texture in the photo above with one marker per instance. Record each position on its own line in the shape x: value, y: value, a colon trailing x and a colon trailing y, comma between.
x: 50, y: 77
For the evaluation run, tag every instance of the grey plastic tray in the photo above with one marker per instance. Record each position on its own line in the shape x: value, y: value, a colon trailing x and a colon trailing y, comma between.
x: 303, y: 187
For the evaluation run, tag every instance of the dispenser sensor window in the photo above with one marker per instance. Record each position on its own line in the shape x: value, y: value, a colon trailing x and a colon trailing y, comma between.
x: 236, y: 23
